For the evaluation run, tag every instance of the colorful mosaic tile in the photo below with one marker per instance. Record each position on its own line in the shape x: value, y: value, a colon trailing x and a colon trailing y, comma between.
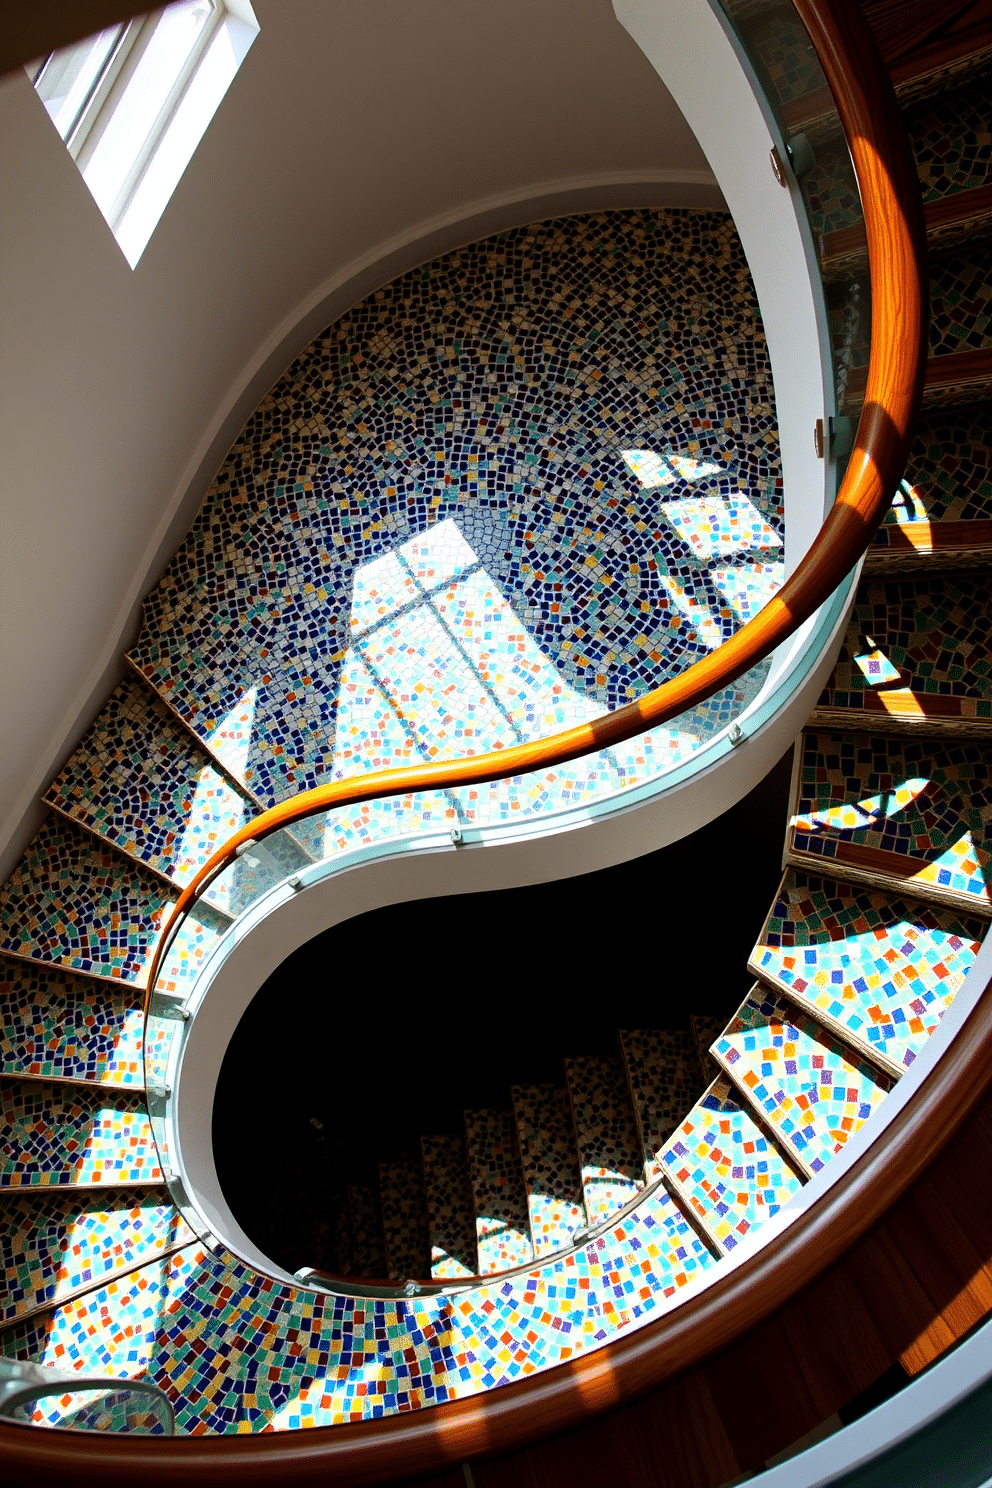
x: 663, y: 1076
x: 949, y: 475
x: 139, y: 781
x: 287, y: 631
x: 928, y: 636
x: 608, y: 1146
x: 952, y: 142
x: 72, y: 902
x: 64, y: 1134
x: 799, y: 1078
x: 450, y: 1208
x: 918, y: 810
x: 501, y: 1224
x: 239, y: 1351
x: 878, y: 968
x: 960, y: 302
x: 368, y: 1251
x: 830, y: 188
x: 723, y: 1165
x: 778, y: 39
x: 404, y: 1219
x: 551, y: 1175
x: 58, y: 1243
x: 706, y: 1030
x: 67, y: 1027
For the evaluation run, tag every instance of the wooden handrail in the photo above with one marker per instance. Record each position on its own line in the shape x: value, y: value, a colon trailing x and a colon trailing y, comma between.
x: 550, y: 1402
x: 897, y: 262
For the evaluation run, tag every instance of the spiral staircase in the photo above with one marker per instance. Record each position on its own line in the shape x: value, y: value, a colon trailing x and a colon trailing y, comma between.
x: 582, y: 1209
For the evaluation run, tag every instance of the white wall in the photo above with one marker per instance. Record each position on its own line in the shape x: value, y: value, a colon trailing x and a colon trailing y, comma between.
x: 359, y: 138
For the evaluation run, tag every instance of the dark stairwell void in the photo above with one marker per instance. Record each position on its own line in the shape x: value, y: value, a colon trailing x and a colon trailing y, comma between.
x: 391, y: 1025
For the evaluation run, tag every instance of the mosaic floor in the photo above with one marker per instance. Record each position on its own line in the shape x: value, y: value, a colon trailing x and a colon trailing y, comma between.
x: 385, y: 569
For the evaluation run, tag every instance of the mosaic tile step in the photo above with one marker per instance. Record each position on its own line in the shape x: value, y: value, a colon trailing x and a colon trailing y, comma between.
x: 706, y: 1029
x: 916, y: 652
x: 952, y: 141
x: 499, y: 1194
x: 238, y: 1351
x: 551, y: 1172
x: 81, y: 906
x: 57, y: 1025
x: 138, y: 780
x: 450, y: 1207
x: 879, y: 970
x: 56, y: 1244
x: 811, y: 1090
x: 724, y: 1166
x: 949, y: 472
x: 368, y: 1248
x: 415, y: 486
x: 663, y: 1076
x: 909, y: 814
x: 52, y: 1135
x: 404, y: 1219
x: 961, y: 301
x: 606, y: 1138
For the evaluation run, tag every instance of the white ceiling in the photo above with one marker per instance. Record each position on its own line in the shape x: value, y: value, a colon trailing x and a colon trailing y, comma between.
x: 360, y: 137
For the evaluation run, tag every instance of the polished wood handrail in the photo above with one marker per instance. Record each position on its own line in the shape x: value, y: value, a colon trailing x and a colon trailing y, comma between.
x: 550, y: 1402
x: 897, y: 262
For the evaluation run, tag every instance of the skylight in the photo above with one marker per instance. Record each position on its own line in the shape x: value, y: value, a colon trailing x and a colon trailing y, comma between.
x: 133, y: 102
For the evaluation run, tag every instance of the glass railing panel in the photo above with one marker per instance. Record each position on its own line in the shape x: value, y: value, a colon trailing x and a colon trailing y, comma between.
x: 786, y: 70
x: 33, y: 1395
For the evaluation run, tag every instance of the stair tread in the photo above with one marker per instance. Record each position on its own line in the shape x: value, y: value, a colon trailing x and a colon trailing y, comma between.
x: 404, y: 1219
x: 551, y: 1172
x: 960, y: 302
x: 76, y: 904
x: 62, y: 1135
x: 914, y: 812
x: 56, y: 1243
x: 706, y: 1029
x: 809, y: 1088
x: 138, y: 780
x: 607, y: 1143
x: 952, y: 143
x: 450, y: 1211
x: 881, y: 967
x: 368, y: 1250
x: 724, y: 1166
x: 498, y: 1191
x: 960, y: 218
x: 921, y: 643
x: 67, y: 1027
x: 911, y: 34
x: 663, y: 1074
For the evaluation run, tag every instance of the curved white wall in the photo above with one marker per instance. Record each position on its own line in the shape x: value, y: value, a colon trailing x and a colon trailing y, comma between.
x: 358, y: 139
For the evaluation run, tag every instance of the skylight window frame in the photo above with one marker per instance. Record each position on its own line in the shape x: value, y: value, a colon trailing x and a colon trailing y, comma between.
x: 151, y: 92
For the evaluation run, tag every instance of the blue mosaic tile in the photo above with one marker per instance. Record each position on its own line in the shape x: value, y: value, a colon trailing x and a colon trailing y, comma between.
x: 52, y: 1135
x: 724, y: 1167
x: 54, y: 1244
x: 881, y: 970
x: 287, y: 631
x: 547, y: 1155
x: 812, y: 1092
